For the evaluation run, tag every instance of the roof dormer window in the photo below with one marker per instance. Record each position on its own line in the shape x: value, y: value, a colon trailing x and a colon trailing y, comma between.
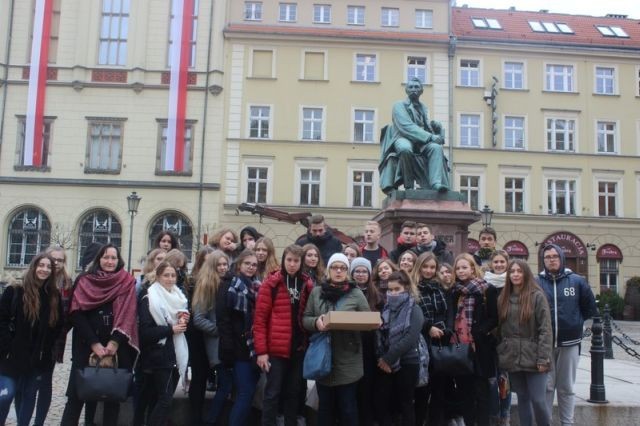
x: 550, y: 27
x: 486, y: 23
x: 612, y: 31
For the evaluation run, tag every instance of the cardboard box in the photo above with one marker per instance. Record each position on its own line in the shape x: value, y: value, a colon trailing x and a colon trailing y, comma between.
x: 350, y: 320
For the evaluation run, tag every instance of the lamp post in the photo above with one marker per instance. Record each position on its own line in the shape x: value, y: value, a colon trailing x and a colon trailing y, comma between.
x: 133, y: 200
x: 486, y: 213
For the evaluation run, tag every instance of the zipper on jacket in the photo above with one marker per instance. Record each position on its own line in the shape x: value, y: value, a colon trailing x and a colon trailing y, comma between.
x: 555, y: 309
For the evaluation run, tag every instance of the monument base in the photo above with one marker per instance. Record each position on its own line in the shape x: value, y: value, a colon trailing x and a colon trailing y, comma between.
x: 446, y: 213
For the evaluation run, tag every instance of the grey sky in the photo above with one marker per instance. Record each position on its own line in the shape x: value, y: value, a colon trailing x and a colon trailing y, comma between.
x: 577, y: 7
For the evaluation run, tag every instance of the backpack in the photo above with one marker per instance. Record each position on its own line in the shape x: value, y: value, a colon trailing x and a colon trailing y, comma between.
x: 423, y: 354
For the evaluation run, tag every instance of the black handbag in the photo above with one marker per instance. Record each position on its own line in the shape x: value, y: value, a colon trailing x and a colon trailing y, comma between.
x: 98, y: 383
x: 453, y: 360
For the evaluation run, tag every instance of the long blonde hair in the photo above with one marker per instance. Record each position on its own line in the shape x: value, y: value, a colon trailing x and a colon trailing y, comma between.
x: 62, y: 275
x: 477, y: 272
x: 208, y: 282
x: 271, y: 264
x: 416, y: 274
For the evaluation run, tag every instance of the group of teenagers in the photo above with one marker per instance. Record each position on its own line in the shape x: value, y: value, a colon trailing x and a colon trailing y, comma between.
x: 241, y: 313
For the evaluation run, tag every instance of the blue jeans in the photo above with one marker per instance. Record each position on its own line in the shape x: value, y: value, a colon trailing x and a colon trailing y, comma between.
x: 44, y: 397
x: 245, y: 378
x: 499, y: 407
x: 337, y: 402
x: 23, y: 389
x: 224, y: 377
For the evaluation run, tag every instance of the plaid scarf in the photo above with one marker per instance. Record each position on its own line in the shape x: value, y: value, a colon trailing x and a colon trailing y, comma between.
x: 466, y: 294
x: 432, y: 301
x: 241, y: 297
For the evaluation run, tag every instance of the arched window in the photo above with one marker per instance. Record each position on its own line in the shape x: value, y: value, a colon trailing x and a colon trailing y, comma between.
x: 29, y: 234
x: 98, y: 226
x: 177, y: 224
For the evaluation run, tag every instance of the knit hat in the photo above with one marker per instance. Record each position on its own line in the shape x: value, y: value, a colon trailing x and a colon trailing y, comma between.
x: 360, y: 261
x: 337, y: 257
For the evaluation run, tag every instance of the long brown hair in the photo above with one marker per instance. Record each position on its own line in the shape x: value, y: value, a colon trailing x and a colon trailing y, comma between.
x: 425, y: 257
x: 525, y: 298
x: 319, y: 269
x: 31, y: 285
x: 271, y: 264
x: 63, y: 279
x: 208, y: 282
x: 400, y: 276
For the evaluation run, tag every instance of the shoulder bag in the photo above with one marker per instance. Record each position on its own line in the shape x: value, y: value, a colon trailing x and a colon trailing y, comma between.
x: 98, y: 383
x: 317, y: 359
x: 455, y: 359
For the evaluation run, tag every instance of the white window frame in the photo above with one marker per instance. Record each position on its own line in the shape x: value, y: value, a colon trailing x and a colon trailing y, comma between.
x: 608, y: 176
x: 424, y: 67
x: 568, y: 78
x: 421, y: 21
x: 365, y: 166
x: 615, y: 133
x: 325, y: 71
x: 255, y: 161
x: 609, y: 273
x: 374, y: 124
x: 96, y: 121
x: 375, y: 67
x: 290, y: 12
x: 559, y: 174
x: 114, y: 41
x: 516, y: 173
x: 561, y: 116
x: 323, y: 123
x: 273, y: 60
x: 596, y: 80
x: 468, y: 72
x: 472, y: 170
x: 255, y: 11
x: 190, y: 126
x: 637, y: 78
x: 356, y: 15
x: 310, y: 163
x: 506, y: 130
x: 192, y: 39
x: 480, y: 129
x: 270, y: 121
x: 524, y: 73
x: 390, y: 17
x: 325, y: 13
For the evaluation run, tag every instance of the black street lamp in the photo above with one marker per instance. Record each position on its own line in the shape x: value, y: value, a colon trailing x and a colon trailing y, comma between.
x: 133, y: 200
x: 486, y: 213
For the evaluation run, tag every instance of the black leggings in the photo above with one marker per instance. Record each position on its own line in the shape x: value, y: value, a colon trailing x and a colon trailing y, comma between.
x: 165, y: 381
x: 399, y: 386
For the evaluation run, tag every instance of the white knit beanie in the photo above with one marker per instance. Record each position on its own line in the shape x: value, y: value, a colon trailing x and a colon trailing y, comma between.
x: 337, y: 257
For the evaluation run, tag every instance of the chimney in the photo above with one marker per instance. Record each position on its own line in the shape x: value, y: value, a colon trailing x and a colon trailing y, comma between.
x: 512, y: 8
x: 544, y: 10
x: 616, y: 16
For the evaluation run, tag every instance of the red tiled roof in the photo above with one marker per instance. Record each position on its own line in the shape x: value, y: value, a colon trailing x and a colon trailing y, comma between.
x: 515, y: 28
x: 332, y: 32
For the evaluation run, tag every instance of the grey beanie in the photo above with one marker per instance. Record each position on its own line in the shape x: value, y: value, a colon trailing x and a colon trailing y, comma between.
x: 360, y: 261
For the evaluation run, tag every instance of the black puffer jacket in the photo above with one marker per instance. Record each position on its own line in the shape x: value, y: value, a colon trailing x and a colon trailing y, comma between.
x: 327, y: 244
x: 153, y: 354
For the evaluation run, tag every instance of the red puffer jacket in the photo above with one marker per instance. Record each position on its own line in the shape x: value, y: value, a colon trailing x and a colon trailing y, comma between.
x: 272, y: 332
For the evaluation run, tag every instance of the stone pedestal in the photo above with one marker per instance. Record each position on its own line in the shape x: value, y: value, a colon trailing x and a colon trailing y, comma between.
x: 447, y: 214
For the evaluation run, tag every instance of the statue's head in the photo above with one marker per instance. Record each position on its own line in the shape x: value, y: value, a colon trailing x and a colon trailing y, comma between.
x: 413, y: 89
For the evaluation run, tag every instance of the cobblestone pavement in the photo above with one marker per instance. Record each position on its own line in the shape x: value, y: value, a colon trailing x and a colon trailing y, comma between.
x: 61, y: 373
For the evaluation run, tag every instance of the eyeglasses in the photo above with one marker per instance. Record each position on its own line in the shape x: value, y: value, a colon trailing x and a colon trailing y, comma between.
x: 552, y: 257
x: 339, y: 268
x: 250, y: 264
x: 58, y: 260
x: 360, y: 272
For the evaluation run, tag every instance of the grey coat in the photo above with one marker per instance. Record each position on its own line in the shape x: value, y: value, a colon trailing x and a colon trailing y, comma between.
x: 206, y: 322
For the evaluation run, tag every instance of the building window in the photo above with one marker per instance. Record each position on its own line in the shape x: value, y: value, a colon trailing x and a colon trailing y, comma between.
x: 513, y: 195
x: 257, y: 182
x: 605, y: 80
x: 262, y: 63
x: 253, y: 11
x: 561, y: 196
x: 363, y: 124
x: 469, y: 72
x: 514, y: 132
x: 47, y: 125
x: 637, y: 81
x: 179, y: 226
x: 470, y: 190
x: 561, y: 134
x: 366, y: 67
x: 390, y: 17
x: 362, y: 188
x: 607, y: 193
x: 310, y: 187
x: 612, y: 31
x: 99, y: 226
x: 355, y: 15
x: 559, y: 78
x: 417, y: 68
x: 114, y: 27
x: 486, y: 23
x: 314, y: 66
x: 609, y: 270
x: 187, y: 162
x: 424, y: 18
x: 312, y: 123
x: 29, y: 234
x: 513, y: 75
x: 192, y: 38
x: 321, y: 14
x: 550, y: 27
x: 54, y: 31
x: 104, y: 146
x: 259, y: 122
x: 288, y: 12
x: 470, y: 130
x: 606, y: 137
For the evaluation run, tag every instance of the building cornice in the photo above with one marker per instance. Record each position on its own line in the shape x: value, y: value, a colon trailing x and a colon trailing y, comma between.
x: 107, y: 183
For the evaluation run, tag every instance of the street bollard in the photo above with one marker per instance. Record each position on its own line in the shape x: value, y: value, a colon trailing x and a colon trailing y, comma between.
x: 608, y: 336
x: 597, y: 393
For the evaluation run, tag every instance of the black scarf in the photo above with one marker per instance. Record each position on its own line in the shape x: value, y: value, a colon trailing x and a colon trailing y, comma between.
x: 332, y: 292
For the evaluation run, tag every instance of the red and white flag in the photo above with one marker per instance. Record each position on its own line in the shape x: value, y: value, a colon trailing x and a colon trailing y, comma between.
x: 33, y: 143
x: 180, y: 57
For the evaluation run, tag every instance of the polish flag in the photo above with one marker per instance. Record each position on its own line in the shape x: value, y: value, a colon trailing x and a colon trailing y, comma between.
x: 180, y: 54
x: 33, y: 143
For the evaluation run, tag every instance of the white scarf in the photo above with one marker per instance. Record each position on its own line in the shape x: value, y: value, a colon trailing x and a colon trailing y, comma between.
x: 497, y: 280
x: 164, y: 306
